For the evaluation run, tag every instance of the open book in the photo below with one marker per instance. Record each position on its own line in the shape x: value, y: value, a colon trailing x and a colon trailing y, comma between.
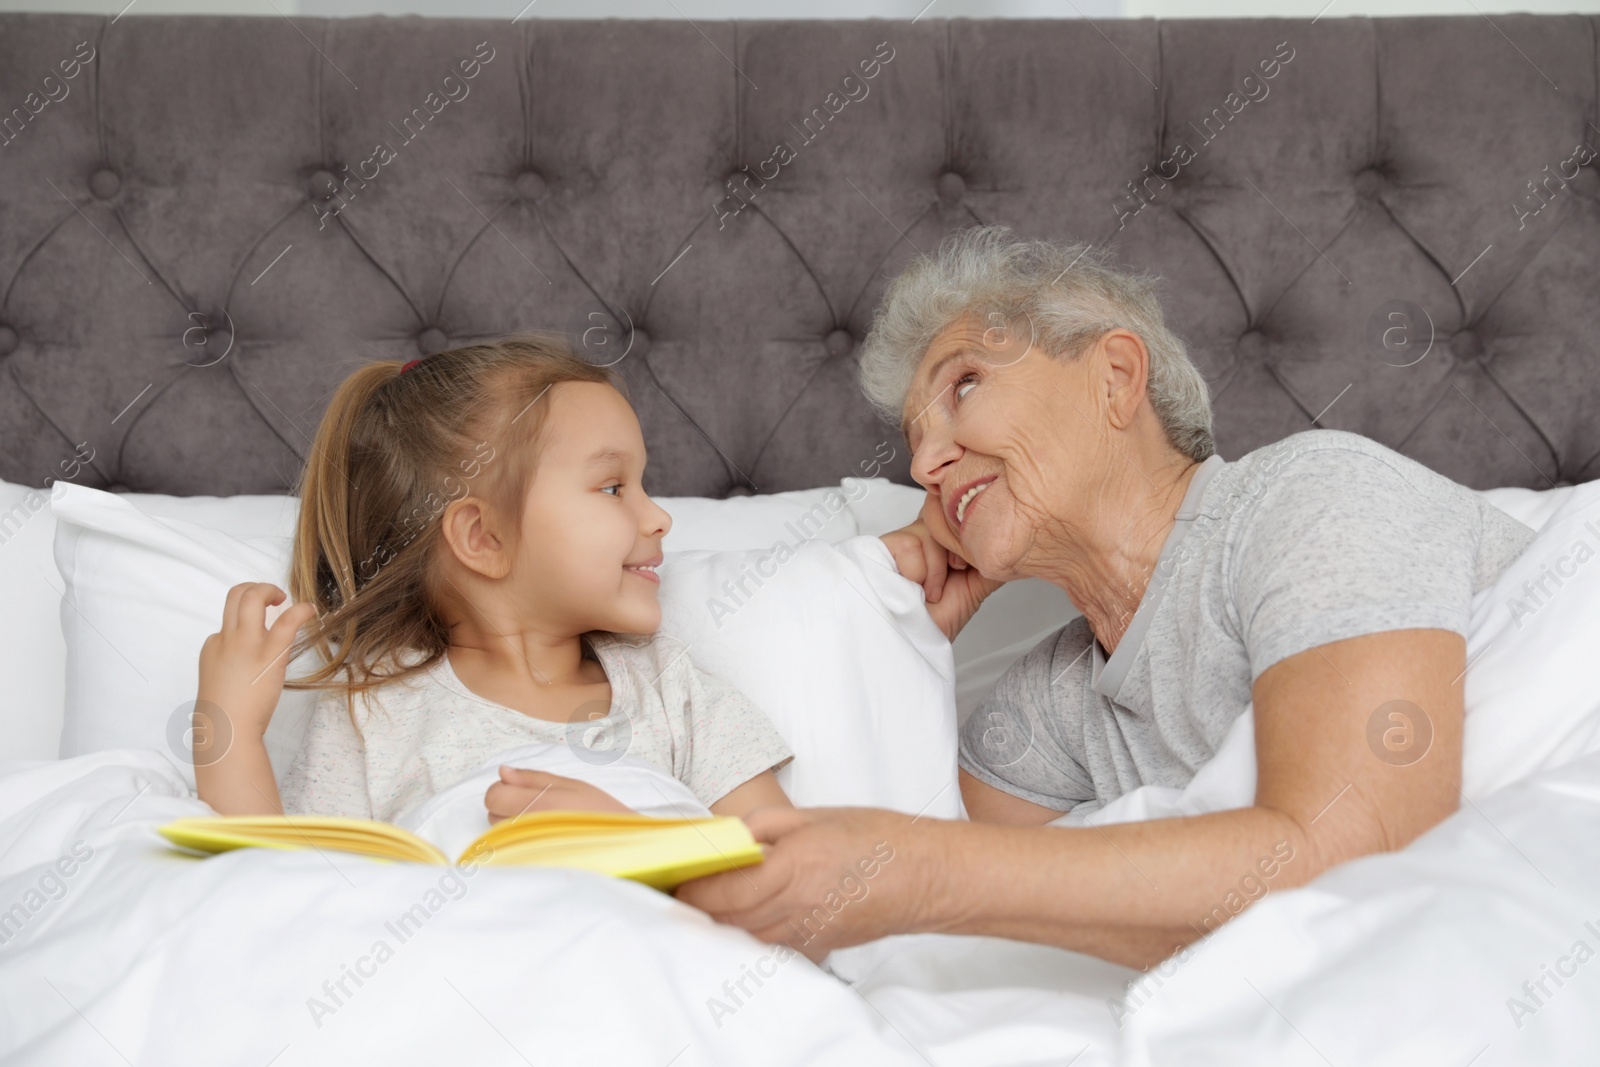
x: 657, y: 852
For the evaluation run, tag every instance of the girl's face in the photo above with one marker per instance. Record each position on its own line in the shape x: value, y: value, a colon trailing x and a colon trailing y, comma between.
x: 591, y: 538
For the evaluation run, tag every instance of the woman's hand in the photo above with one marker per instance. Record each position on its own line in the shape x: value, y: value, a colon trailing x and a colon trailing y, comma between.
x: 519, y: 791
x: 952, y: 587
x: 832, y: 877
x: 242, y: 665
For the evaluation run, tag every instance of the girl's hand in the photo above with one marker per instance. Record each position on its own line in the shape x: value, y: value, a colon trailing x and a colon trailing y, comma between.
x: 952, y: 587
x: 243, y: 664
x: 520, y: 791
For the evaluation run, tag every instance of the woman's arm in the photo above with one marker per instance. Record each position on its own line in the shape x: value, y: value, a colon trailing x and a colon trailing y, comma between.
x: 985, y: 803
x: 1136, y: 892
x: 1330, y: 788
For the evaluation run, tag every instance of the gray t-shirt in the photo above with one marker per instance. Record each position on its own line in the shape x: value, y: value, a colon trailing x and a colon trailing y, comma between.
x: 1324, y: 536
x: 420, y: 736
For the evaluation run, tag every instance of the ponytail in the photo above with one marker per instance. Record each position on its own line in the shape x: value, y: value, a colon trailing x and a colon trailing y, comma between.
x: 322, y: 571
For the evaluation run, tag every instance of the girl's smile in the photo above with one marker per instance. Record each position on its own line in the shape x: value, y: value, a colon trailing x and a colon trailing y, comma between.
x: 647, y: 569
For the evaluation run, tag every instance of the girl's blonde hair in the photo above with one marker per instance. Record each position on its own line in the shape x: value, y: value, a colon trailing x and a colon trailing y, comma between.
x: 394, y: 448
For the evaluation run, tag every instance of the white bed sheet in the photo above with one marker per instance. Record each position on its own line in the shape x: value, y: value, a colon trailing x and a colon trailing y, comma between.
x: 162, y: 959
x: 149, y: 957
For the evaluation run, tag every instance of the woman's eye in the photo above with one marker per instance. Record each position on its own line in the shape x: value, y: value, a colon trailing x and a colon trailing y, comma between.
x: 960, y: 383
x: 608, y: 488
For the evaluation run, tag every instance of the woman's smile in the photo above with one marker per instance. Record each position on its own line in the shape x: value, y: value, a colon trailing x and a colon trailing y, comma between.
x: 959, y: 505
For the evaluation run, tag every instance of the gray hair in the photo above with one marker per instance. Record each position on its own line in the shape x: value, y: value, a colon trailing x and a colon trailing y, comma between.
x: 1068, y: 293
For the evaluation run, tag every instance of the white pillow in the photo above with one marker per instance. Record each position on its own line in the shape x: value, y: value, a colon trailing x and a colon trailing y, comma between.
x: 33, y: 652
x: 758, y: 521
x: 142, y: 594
x: 33, y: 656
x: 835, y: 646
x: 1016, y: 616
x: 839, y: 651
x: 1531, y: 507
x: 1533, y: 687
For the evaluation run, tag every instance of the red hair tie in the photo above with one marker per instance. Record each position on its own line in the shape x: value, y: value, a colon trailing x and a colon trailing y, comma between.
x: 408, y: 366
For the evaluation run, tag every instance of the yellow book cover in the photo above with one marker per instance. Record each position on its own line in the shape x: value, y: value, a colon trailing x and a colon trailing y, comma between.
x: 658, y: 852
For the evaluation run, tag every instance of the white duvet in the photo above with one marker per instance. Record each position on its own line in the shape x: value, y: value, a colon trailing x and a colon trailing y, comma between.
x: 147, y: 956
x: 1476, y: 945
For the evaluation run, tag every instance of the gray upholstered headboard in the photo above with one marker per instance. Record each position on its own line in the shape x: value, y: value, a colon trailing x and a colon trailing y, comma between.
x: 181, y: 290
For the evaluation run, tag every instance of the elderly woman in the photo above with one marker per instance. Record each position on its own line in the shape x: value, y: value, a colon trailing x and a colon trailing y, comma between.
x: 1062, y: 432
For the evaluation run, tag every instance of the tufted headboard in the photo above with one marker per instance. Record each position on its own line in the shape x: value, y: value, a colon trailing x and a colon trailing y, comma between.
x: 1387, y: 226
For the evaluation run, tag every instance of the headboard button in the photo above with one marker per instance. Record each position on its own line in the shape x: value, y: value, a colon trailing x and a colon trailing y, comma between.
x: 1466, y: 346
x: 839, y: 342
x: 8, y: 340
x: 1252, y: 343
x: 431, y: 340
x: 1370, y: 182
x: 530, y: 185
x: 104, y: 183
x: 638, y: 343
x: 322, y: 185
x: 952, y: 187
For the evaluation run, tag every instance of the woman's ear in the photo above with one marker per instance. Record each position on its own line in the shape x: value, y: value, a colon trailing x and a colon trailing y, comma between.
x: 1128, y: 370
x: 470, y: 533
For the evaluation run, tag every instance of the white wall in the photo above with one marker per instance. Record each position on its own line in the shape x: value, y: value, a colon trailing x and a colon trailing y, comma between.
x: 808, y: 9
x: 1188, y: 9
x: 576, y: 9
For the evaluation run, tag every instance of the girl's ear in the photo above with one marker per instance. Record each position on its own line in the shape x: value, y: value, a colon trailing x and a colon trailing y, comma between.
x: 470, y: 533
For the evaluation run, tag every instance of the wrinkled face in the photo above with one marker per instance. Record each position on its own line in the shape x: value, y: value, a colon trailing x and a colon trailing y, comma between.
x: 590, y: 536
x: 1009, y: 442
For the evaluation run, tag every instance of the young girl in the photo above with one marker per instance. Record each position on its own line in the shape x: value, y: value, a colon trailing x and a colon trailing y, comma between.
x: 475, y: 564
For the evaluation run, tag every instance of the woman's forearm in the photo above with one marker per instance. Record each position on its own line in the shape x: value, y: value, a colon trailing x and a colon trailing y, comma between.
x: 1133, y: 893
x: 237, y: 780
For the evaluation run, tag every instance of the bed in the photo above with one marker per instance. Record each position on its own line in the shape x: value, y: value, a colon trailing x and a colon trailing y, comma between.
x: 1384, y: 226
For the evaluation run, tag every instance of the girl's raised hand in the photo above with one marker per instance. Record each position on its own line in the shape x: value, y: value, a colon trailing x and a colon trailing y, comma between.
x: 242, y: 665
x: 520, y: 791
